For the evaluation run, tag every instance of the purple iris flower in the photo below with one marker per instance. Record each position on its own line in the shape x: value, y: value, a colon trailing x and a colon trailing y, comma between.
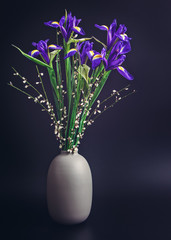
x: 113, y: 33
x: 73, y: 51
x: 70, y: 26
x: 96, y: 57
x: 86, y: 47
x: 43, y: 49
x: 116, y: 58
x: 55, y: 24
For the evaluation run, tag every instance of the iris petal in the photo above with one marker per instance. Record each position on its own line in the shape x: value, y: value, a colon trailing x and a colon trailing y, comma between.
x: 123, y: 37
x: 90, y: 54
x: 96, y: 60
x: 102, y: 27
x: 34, y: 44
x: 97, y: 56
x: 115, y: 63
x: 124, y: 73
x: 62, y: 20
x: 71, y: 53
x: 126, y: 47
x: 34, y: 53
x: 78, y: 30
x: 64, y: 33
x: 54, y: 24
x: 96, y: 63
x: 54, y: 47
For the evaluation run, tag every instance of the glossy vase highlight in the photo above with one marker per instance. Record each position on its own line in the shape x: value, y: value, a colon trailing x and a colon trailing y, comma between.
x: 69, y: 188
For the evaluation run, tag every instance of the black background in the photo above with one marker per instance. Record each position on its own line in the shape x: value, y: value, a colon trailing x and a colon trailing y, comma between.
x: 128, y: 148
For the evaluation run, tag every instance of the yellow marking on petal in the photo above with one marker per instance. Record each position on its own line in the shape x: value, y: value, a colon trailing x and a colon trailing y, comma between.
x: 97, y: 56
x: 78, y: 28
x: 72, y: 49
x: 91, y: 53
x: 34, y: 51
x: 124, y: 36
x: 105, y: 27
x: 54, y: 22
x: 121, y: 68
x: 122, y: 49
x: 51, y: 45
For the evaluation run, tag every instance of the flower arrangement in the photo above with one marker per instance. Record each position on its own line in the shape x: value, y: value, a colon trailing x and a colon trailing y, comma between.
x: 86, y: 72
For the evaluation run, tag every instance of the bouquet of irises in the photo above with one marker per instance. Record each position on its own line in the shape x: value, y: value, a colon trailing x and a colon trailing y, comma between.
x: 86, y: 72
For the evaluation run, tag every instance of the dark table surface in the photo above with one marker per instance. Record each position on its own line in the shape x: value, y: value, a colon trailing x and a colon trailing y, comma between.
x: 145, y: 215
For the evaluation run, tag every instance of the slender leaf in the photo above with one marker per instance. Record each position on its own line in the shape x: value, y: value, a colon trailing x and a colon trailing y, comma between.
x: 99, y: 88
x: 56, y: 96
x: 32, y: 58
x: 59, y: 77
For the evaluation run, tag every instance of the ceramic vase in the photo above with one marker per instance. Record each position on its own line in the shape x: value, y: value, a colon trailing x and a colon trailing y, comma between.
x: 69, y: 188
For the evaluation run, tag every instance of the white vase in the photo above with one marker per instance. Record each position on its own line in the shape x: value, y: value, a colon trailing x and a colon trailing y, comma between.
x: 69, y: 188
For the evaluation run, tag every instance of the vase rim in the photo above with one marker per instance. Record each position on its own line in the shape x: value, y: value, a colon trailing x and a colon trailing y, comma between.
x: 66, y: 152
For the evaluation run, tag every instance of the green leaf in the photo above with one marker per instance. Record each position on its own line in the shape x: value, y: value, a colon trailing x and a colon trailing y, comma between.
x: 83, y: 70
x: 52, y: 77
x: 56, y: 96
x: 32, y: 58
x: 99, y: 88
x: 53, y: 54
x: 66, y: 15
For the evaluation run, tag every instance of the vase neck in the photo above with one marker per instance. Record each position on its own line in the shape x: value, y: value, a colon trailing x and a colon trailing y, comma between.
x: 65, y: 152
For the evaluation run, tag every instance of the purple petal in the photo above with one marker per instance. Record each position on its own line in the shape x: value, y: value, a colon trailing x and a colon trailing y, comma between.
x: 79, y: 45
x: 42, y: 45
x: 126, y: 47
x: 124, y: 73
x: 54, y: 24
x: 62, y: 20
x: 74, y: 21
x: 111, y: 34
x: 123, y: 37
x: 96, y: 63
x: 90, y: 54
x: 64, y: 33
x: 34, y: 44
x: 115, y: 51
x: 54, y: 47
x: 45, y: 57
x: 102, y: 27
x: 103, y: 52
x: 96, y: 60
x: 121, y: 29
x: 105, y: 63
x: 78, y: 21
x: 70, y: 53
x: 78, y: 30
x: 115, y: 63
x: 113, y: 26
x: 34, y: 53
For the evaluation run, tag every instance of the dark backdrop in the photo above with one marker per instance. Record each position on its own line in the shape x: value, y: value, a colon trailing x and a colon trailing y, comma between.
x: 128, y: 148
